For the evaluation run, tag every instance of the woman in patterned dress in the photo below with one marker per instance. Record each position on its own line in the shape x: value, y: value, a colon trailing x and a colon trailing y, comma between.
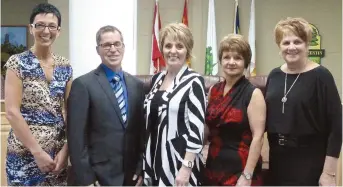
x: 235, y: 116
x: 175, y: 115
x: 37, y: 85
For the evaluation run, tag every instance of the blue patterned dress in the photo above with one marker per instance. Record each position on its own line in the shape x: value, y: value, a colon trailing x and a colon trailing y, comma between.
x: 41, y: 108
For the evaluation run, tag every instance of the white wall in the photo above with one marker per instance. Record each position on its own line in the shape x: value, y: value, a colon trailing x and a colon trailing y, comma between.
x: 85, y: 19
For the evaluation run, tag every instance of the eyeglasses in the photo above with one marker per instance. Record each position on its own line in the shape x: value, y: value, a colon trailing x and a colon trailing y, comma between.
x: 41, y: 27
x: 107, y: 46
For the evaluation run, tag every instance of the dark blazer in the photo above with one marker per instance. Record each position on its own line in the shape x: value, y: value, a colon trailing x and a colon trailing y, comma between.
x: 100, y: 148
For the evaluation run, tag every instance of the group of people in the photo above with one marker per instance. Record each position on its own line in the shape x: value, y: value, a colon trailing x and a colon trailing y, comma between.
x: 116, y: 134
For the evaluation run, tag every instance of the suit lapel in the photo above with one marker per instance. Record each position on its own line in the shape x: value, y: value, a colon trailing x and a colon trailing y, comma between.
x: 131, y: 95
x: 102, y: 79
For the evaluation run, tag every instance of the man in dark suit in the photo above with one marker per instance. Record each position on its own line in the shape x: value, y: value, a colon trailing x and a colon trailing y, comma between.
x: 105, y: 119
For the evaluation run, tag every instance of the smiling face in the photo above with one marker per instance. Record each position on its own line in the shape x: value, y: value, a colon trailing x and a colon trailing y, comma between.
x: 174, y: 52
x: 176, y: 44
x: 293, y: 36
x: 293, y: 49
x: 111, y: 49
x: 234, y: 54
x: 45, y: 29
x: 232, y: 63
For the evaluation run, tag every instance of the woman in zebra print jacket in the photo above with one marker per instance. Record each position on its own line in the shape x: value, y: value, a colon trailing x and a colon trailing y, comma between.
x: 175, y: 115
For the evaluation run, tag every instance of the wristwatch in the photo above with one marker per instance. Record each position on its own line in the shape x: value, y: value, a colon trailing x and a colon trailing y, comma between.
x: 188, y: 163
x: 247, y: 176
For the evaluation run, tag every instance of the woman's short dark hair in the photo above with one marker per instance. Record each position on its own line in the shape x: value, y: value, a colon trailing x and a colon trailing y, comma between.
x: 45, y: 8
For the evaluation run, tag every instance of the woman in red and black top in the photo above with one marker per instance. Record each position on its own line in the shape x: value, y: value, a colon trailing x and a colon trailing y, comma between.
x: 235, y: 117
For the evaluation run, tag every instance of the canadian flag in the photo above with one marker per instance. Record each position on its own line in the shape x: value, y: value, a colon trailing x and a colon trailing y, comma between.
x: 185, y: 21
x: 157, y: 62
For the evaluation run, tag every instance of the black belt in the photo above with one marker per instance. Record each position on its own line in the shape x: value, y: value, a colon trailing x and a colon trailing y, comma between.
x: 291, y: 141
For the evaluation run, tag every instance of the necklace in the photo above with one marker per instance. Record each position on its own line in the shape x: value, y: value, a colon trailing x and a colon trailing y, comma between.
x: 285, y: 93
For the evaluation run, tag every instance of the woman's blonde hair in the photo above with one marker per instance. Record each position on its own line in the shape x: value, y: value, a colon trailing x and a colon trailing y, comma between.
x: 297, y: 26
x: 179, y: 32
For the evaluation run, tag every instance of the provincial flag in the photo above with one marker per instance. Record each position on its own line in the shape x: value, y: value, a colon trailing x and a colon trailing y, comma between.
x: 252, y: 67
x: 211, y: 65
x: 236, y: 27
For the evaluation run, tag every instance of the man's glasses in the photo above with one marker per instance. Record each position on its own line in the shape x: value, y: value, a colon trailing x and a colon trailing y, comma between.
x: 107, y: 46
x: 41, y: 27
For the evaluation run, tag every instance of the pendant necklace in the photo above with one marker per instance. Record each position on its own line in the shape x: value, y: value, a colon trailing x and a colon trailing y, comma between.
x: 285, y: 93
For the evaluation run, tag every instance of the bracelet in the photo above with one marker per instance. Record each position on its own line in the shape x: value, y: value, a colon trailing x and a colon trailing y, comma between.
x: 331, y: 174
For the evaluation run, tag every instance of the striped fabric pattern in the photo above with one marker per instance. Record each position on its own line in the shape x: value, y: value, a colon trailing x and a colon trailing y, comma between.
x: 180, y: 128
x: 117, y: 86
